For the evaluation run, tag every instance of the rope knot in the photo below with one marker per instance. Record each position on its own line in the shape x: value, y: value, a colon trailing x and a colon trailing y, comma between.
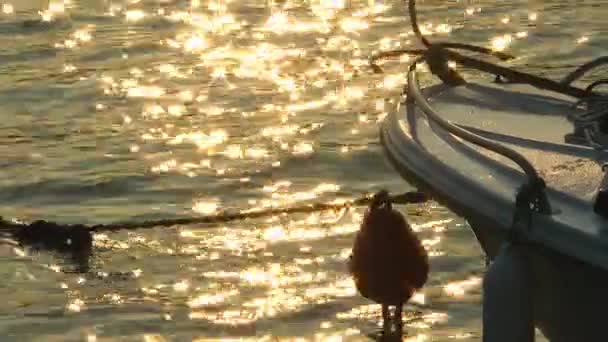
x: 381, y: 200
x: 437, y: 61
x: 532, y: 197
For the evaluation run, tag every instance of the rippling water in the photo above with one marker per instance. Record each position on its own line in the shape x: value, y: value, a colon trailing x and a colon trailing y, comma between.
x: 135, y: 110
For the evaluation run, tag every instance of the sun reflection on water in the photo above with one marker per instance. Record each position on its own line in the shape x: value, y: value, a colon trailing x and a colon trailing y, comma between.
x: 224, y: 106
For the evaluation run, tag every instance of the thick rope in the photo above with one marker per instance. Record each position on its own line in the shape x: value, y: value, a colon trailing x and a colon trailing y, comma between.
x: 76, y: 239
x: 596, y: 84
x: 583, y: 69
x: 405, y: 198
x: 563, y: 87
x: 439, y: 52
x: 437, y: 57
x: 414, y: 90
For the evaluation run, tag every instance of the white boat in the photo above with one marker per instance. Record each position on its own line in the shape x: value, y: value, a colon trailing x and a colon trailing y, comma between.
x: 524, y: 166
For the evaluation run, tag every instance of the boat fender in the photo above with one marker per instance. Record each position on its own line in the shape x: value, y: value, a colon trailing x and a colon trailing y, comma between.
x: 388, y: 262
x: 508, y: 313
x: 601, y: 198
x: 507, y: 297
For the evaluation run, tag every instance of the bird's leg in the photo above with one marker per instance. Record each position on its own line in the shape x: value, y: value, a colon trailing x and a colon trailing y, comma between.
x: 386, y: 320
x: 399, y: 319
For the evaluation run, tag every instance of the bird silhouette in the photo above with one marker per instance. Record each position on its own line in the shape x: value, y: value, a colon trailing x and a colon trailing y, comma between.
x: 388, y: 262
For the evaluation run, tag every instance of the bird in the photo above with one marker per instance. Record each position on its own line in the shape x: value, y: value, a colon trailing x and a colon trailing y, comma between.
x: 388, y: 262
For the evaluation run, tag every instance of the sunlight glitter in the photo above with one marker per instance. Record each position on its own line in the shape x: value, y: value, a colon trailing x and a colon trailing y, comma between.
x: 8, y: 9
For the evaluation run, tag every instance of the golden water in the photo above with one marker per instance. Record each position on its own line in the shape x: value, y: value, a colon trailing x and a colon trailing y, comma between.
x: 134, y: 110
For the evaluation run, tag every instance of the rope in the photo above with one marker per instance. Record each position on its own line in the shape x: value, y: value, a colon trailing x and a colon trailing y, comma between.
x: 563, y: 87
x: 592, y: 123
x: 596, y: 84
x: 583, y: 69
x: 437, y: 56
x: 414, y: 90
x: 76, y: 239
x: 404, y: 198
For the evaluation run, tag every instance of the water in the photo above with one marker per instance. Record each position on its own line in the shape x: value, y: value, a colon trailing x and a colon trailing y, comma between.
x: 135, y: 110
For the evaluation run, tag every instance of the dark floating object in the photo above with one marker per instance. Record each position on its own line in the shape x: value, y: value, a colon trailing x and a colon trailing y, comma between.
x: 75, y: 241
x: 388, y: 262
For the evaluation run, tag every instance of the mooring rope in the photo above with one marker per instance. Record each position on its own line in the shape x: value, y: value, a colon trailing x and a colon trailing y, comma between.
x: 415, y: 91
x: 76, y: 239
x: 437, y: 55
x: 512, y: 75
x: 584, y: 69
x: 404, y: 198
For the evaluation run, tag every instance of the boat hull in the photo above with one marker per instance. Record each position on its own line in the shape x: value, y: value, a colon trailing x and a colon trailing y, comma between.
x: 567, y: 250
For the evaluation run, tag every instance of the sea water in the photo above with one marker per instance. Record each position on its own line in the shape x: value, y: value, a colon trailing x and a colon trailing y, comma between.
x: 116, y: 110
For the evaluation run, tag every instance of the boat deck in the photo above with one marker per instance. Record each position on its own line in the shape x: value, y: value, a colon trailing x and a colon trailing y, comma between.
x: 533, y: 122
